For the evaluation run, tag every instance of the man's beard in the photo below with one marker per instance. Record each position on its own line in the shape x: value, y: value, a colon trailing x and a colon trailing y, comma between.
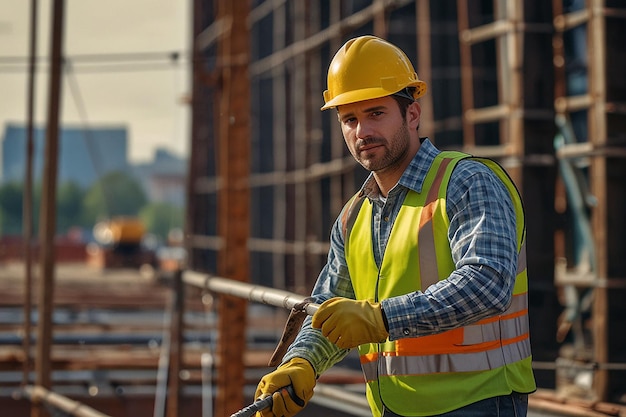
x: 395, y: 150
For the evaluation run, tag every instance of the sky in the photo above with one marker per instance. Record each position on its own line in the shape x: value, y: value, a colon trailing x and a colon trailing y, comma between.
x: 121, y: 69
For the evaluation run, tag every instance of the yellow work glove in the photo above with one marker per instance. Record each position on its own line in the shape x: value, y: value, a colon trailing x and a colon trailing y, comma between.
x: 350, y: 323
x: 300, y: 375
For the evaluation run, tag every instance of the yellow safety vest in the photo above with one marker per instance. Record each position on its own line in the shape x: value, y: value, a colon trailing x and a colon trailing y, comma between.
x: 438, y: 373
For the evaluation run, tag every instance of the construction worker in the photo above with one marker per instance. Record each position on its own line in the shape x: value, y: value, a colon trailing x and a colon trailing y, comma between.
x: 426, y: 273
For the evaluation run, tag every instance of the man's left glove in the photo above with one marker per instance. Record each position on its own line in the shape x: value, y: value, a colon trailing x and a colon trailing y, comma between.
x: 350, y: 323
x: 300, y: 375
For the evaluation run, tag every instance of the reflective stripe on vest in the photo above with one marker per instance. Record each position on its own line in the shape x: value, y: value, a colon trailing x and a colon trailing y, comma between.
x: 506, y: 333
x: 495, y: 346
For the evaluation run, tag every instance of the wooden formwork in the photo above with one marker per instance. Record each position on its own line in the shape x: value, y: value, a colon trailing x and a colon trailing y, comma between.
x: 596, y: 103
x: 496, y: 82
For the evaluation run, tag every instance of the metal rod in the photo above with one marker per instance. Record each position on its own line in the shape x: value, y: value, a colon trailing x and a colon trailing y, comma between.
x: 163, y: 367
x: 27, y: 198
x: 206, y: 363
x: 175, y: 362
x: 261, y: 404
x: 251, y: 292
x: 47, y: 212
x: 251, y: 410
x: 39, y: 394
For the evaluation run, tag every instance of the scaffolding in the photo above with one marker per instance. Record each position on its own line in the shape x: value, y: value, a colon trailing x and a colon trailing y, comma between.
x: 590, y: 98
x: 269, y: 172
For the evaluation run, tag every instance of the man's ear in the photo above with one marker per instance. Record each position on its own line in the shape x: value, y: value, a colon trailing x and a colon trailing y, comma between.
x: 413, y: 113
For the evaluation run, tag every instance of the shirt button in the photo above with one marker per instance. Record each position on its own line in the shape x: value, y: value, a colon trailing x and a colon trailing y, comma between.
x: 406, y: 332
x: 386, y: 218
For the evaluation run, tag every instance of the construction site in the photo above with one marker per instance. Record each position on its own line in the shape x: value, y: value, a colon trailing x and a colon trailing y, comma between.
x: 537, y: 86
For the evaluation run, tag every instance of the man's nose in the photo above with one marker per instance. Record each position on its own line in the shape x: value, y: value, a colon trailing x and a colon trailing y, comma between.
x: 363, y: 130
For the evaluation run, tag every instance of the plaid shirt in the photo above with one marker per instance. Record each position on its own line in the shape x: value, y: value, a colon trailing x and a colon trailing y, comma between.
x: 482, y: 236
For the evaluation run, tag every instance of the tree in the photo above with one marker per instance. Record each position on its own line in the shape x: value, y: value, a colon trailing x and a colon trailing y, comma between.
x: 160, y: 218
x: 70, y: 198
x: 115, y: 194
x: 11, y: 208
x: 69, y: 207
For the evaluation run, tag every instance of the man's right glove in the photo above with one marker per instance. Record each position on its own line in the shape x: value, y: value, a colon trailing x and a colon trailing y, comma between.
x: 300, y: 375
x: 349, y: 323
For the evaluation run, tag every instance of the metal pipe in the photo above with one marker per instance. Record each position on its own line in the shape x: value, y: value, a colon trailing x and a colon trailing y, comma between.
x: 47, y: 211
x: 206, y: 363
x: 251, y: 292
x: 27, y: 213
x: 39, y: 394
x: 160, y: 394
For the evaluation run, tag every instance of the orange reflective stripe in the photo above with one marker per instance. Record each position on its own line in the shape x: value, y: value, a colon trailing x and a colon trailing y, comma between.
x: 498, y: 355
x: 433, y: 193
x: 480, y: 335
x: 457, y: 362
x: 428, y: 345
x: 496, y: 319
x: 369, y: 357
x: 515, y: 339
x: 429, y: 272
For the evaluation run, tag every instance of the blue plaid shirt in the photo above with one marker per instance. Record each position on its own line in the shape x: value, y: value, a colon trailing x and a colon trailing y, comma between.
x: 483, y: 244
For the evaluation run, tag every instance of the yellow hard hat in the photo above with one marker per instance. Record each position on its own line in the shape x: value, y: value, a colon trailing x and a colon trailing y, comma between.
x: 368, y: 67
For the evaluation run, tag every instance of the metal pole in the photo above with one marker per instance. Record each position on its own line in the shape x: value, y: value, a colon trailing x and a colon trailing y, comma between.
x: 160, y: 394
x: 251, y: 292
x: 27, y: 218
x: 206, y: 362
x: 597, y: 133
x: 175, y: 347
x: 233, y: 101
x: 39, y: 394
x: 48, y: 207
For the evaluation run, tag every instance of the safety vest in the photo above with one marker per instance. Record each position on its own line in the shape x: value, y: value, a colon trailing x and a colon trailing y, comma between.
x: 437, y: 373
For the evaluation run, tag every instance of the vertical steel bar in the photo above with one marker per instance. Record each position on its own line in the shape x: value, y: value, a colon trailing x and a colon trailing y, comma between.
x: 299, y: 97
x: 48, y: 206
x: 381, y: 28
x: 467, y: 78
x: 206, y: 362
x: 279, y: 146
x: 598, y: 136
x: 424, y: 66
x: 176, y: 345
x: 233, y: 200
x: 27, y: 217
x: 511, y: 73
x: 337, y: 146
x: 163, y: 367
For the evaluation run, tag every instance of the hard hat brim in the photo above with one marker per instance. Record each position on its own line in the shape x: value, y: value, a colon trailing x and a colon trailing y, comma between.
x: 355, y: 96
x: 370, y: 94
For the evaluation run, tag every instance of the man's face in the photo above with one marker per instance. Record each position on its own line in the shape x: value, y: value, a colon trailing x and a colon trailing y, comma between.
x: 376, y: 133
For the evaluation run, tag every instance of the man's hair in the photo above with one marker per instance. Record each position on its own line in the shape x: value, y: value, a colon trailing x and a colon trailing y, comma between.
x: 404, y: 98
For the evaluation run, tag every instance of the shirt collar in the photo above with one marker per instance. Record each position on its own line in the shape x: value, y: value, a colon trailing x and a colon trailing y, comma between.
x: 413, y: 176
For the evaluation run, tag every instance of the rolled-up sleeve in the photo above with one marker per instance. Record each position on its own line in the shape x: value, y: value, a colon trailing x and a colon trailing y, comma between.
x: 333, y: 281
